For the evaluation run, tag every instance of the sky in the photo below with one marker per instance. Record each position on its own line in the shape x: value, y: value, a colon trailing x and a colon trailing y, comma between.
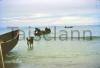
x: 49, y: 12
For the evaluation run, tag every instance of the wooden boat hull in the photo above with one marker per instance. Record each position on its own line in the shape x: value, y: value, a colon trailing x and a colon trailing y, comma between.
x: 9, y: 41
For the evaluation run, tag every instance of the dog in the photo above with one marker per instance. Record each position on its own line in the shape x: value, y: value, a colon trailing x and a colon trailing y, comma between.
x: 30, y: 42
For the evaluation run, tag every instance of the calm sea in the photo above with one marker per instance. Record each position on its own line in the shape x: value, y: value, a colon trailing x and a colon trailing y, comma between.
x: 57, y: 53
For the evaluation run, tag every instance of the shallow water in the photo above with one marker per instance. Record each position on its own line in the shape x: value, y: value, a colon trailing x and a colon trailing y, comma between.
x: 56, y: 53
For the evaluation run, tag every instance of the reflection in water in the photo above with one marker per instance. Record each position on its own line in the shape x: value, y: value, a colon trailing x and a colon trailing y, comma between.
x: 11, y: 65
x: 29, y: 49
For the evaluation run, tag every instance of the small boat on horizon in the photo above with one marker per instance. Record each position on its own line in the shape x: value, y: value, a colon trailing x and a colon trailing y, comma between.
x: 8, y: 41
x: 68, y: 27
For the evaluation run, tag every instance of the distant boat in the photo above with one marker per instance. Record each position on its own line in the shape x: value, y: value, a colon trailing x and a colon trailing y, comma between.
x: 8, y: 41
x: 39, y: 32
x: 68, y: 27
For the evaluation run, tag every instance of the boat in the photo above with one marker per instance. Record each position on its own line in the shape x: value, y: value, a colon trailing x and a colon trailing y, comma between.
x: 8, y: 41
x: 68, y: 27
x: 39, y: 32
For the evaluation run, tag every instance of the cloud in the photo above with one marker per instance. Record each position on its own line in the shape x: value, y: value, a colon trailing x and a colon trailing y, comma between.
x: 48, y: 12
x: 50, y: 3
x: 78, y: 20
x: 50, y: 19
x: 32, y: 6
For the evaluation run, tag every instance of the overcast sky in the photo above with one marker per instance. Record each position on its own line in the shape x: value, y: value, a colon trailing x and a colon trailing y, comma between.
x: 49, y: 12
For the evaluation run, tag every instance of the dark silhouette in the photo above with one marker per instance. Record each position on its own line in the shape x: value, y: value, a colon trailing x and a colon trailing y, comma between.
x: 39, y: 32
x: 47, y: 30
x: 68, y: 27
x: 30, y: 42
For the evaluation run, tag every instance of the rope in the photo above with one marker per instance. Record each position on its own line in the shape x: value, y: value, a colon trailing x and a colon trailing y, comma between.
x: 2, y: 59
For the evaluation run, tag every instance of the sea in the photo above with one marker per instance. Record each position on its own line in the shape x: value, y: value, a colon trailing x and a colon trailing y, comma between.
x: 57, y: 49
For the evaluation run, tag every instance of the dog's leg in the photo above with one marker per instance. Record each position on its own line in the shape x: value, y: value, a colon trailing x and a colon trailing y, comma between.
x: 28, y: 44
